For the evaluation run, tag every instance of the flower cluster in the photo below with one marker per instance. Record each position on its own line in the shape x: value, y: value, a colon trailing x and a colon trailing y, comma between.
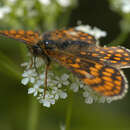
x: 57, y: 84
x: 123, y: 8
x: 96, y: 32
x: 122, y: 5
x: 4, y: 10
x: 28, y: 13
x: 36, y: 81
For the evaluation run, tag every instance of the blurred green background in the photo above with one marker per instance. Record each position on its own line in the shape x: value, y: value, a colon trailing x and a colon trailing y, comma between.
x: 19, y: 111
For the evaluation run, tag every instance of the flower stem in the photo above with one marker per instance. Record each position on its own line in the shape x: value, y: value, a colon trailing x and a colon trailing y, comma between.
x: 69, y: 113
x: 33, y: 114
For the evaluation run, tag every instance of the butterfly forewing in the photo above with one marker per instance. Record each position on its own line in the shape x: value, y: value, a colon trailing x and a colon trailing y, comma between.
x: 84, y: 45
x: 28, y: 37
x: 63, y: 38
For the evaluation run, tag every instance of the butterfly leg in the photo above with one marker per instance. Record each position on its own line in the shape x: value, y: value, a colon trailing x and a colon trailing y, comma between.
x: 45, y: 80
x: 35, y: 67
x: 31, y: 62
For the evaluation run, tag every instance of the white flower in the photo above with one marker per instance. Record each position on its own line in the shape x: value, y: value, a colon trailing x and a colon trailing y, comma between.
x: 64, y: 3
x: 62, y: 127
x: 52, y: 94
x: 55, y: 84
x: 46, y: 103
x: 89, y: 100
x: 96, y: 32
x: 74, y: 87
x: 48, y: 100
x: 12, y: 1
x: 61, y: 81
x: 123, y: 5
x: 62, y: 94
x: 45, y: 2
x: 4, y: 10
x: 29, y: 76
x: 36, y: 88
x: 25, y: 64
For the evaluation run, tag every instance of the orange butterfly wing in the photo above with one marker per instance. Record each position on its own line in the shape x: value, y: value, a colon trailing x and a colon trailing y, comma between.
x: 71, y: 35
x: 104, y: 79
x: 28, y: 37
x: 77, y: 51
x: 98, y: 67
x: 114, y: 56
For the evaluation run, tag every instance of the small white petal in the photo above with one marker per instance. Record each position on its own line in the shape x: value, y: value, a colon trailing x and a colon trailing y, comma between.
x: 25, y: 74
x: 31, y: 90
x: 66, y: 83
x: 32, y: 80
x: 52, y: 101
x: 109, y: 100
x: 4, y: 10
x: 40, y: 90
x: 123, y: 5
x: 63, y: 95
x: 64, y: 77
x: 56, y: 97
x: 62, y: 127
x: 25, y: 81
x: 55, y: 88
x: 40, y: 98
x: 54, y: 82
x: 64, y: 3
x: 46, y: 103
x: 42, y: 76
x: 102, y: 99
x: 38, y: 84
x: 86, y: 94
x: 74, y: 87
x: 12, y: 1
x: 81, y: 85
x: 57, y: 78
x: 50, y: 96
x: 98, y: 33
x: 59, y: 85
x: 45, y: 2
x: 24, y: 64
x: 35, y: 93
x: 89, y: 100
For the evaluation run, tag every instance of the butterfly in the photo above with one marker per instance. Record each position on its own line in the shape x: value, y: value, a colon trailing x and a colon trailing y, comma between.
x: 99, y: 67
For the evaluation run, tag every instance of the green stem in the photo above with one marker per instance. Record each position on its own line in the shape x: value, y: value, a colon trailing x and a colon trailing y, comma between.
x: 120, y: 39
x: 33, y: 114
x: 69, y: 113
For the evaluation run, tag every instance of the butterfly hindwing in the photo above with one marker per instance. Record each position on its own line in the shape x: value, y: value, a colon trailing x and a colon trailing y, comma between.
x: 104, y: 79
x: 114, y: 56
